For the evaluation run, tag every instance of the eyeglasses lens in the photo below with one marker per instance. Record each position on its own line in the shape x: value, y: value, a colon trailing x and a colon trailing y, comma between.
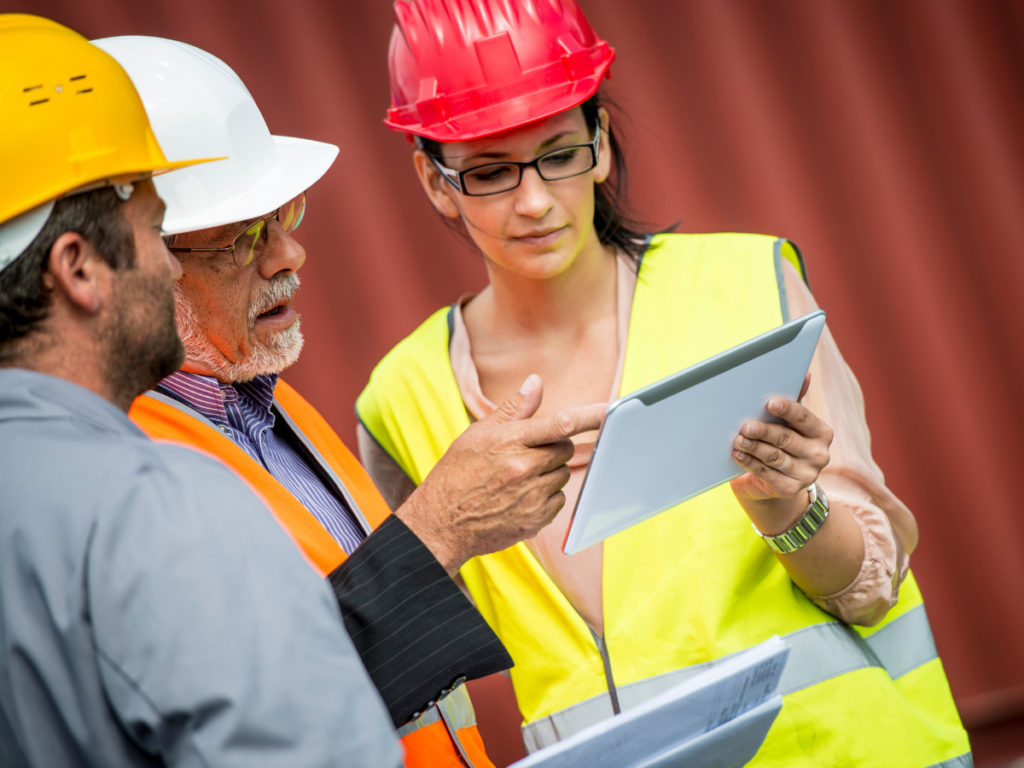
x: 291, y: 213
x: 565, y: 163
x: 491, y: 179
x: 501, y: 177
x: 249, y: 244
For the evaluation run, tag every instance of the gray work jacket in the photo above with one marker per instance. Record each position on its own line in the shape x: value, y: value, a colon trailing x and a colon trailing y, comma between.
x: 153, y: 613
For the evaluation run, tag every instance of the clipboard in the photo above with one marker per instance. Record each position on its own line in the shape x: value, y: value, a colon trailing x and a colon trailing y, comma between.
x: 672, y: 440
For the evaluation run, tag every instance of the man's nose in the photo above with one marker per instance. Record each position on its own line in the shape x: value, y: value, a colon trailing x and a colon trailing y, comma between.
x: 281, y: 254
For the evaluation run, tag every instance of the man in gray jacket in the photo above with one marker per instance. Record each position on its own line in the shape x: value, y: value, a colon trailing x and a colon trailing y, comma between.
x: 151, y: 611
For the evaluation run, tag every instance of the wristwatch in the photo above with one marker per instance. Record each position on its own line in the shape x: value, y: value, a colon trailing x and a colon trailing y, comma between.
x: 806, y: 526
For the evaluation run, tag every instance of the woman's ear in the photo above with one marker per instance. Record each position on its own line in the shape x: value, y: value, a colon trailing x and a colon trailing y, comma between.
x: 437, y: 188
x: 604, y: 158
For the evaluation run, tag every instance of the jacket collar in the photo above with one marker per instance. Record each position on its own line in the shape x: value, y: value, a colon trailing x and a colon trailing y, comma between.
x: 26, y: 395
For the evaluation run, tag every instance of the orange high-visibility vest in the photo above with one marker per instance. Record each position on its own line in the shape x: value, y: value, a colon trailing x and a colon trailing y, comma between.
x: 445, y: 735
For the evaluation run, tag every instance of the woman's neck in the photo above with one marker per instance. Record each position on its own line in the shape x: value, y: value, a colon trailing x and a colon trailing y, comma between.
x: 566, y: 304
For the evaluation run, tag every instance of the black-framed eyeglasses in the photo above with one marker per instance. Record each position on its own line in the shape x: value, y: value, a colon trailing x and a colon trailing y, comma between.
x: 248, y: 244
x: 494, y: 178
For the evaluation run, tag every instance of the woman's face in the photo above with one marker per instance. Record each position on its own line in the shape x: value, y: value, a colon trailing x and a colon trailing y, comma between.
x: 539, y: 228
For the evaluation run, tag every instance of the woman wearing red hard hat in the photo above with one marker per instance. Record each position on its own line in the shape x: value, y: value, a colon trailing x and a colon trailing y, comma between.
x: 513, y: 142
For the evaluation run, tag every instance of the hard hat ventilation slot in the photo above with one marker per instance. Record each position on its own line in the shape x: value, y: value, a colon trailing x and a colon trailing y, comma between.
x: 78, y: 77
x: 31, y: 88
x: 41, y: 101
x: 86, y: 90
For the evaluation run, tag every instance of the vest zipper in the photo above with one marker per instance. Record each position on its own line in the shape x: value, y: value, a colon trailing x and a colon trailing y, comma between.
x: 602, y: 646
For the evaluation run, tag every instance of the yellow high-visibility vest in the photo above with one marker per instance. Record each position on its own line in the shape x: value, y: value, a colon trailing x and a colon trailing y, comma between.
x: 693, y: 585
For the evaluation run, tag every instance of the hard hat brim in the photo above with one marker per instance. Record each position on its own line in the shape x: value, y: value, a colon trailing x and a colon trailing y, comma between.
x: 517, y: 110
x: 302, y: 163
x: 179, y: 164
x: 123, y: 176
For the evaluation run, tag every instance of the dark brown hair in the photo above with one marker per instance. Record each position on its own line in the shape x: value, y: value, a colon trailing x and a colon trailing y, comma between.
x: 24, y: 298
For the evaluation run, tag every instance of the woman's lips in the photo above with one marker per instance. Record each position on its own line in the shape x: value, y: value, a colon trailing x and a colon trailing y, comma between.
x: 538, y: 241
x: 279, y: 318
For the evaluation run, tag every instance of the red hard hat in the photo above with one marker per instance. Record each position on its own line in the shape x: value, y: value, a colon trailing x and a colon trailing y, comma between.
x: 462, y: 69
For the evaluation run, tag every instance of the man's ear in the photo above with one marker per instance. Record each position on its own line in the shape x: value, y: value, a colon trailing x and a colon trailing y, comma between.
x: 434, y: 184
x: 78, y: 273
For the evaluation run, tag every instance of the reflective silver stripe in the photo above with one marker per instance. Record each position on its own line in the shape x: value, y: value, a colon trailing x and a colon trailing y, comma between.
x: 966, y: 760
x: 356, y: 513
x: 780, y: 279
x: 458, y: 708
x: 561, y: 725
x: 455, y: 710
x: 429, y: 717
x: 905, y: 643
x: 819, y: 652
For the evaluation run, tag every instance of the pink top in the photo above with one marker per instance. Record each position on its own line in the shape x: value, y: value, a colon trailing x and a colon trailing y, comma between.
x: 851, y: 480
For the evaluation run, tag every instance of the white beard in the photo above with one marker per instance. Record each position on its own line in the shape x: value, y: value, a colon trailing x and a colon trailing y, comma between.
x: 281, y: 349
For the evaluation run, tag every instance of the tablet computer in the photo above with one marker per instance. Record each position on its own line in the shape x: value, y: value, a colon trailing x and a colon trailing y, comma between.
x: 670, y: 441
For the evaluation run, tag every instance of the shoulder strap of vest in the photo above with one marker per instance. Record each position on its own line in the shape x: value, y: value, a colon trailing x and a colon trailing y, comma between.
x: 699, y: 294
x: 415, y: 378
x: 166, y: 419
x: 333, y: 456
x: 782, y: 250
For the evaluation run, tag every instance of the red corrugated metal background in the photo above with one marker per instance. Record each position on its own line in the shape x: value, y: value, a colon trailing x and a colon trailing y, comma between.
x: 885, y: 138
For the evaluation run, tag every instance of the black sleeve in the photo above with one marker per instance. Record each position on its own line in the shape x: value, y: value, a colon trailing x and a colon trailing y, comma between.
x: 416, y: 632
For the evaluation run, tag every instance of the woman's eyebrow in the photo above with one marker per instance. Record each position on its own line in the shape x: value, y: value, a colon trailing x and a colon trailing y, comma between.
x: 547, y: 143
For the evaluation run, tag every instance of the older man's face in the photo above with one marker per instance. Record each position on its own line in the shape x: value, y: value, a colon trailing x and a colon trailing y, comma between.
x: 238, y: 322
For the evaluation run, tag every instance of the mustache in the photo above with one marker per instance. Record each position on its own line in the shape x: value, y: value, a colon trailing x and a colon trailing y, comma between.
x: 276, y: 289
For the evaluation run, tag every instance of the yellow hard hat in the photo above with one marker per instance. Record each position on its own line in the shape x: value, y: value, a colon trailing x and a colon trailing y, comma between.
x: 70, y: 118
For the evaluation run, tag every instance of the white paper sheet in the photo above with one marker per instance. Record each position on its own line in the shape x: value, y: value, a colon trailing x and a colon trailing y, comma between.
x: 731, y: 706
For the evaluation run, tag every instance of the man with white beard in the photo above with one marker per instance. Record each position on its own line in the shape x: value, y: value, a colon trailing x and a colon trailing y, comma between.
x: 231, y: 227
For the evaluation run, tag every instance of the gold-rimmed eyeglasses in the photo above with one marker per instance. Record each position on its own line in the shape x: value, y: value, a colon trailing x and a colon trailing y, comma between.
x: 248, y: 244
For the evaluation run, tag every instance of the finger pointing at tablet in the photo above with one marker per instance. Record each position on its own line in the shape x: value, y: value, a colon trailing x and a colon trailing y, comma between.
x: 500, y: 481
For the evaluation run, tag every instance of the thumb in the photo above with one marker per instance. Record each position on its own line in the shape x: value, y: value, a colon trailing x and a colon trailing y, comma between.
x: 522, y: 405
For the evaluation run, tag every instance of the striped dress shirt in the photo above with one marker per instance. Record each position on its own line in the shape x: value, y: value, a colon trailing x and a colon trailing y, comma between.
x: 243, y: 413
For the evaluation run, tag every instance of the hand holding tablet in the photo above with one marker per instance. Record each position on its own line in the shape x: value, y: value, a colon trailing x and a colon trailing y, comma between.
x: 673, y: 440
x: 781, y: 461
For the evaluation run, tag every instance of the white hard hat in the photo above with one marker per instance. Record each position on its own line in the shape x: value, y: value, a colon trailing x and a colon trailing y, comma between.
x: 199, y: 107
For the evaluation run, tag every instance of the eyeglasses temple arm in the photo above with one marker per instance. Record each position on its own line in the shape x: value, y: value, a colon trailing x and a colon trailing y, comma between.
x: 448, y: 173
